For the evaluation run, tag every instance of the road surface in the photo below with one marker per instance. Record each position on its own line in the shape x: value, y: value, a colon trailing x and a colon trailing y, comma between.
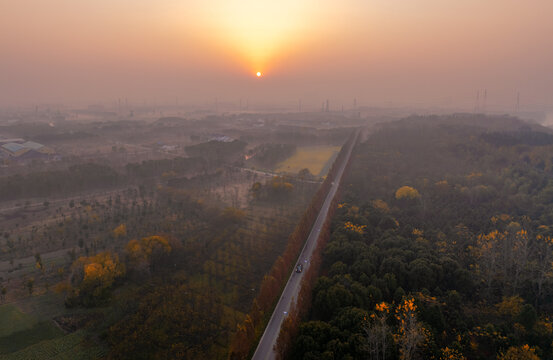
x: 265, y: 348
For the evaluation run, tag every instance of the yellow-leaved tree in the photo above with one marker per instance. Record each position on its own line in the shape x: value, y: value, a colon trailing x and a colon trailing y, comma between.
x: 120, y: 231
x: 408, y: 193
x: 524, y: 352
x: 93, y: 277
x: 146, y: 252
x: 411, y: 335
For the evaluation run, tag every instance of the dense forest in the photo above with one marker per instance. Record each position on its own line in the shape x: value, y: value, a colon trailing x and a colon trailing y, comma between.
x: 441, y: 247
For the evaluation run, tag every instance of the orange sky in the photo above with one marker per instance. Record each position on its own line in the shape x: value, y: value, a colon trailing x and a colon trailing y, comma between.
x: 426, y: 52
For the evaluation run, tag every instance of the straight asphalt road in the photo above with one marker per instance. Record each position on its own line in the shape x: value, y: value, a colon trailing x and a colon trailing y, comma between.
x: 265, y: 348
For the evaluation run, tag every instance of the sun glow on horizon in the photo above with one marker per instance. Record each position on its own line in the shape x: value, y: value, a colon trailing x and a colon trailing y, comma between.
x: 258, y: 31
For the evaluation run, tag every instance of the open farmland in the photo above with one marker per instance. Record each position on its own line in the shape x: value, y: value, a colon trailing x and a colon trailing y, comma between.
x: 314, y: 158
x: 19, y: 330
x: 72, y: 346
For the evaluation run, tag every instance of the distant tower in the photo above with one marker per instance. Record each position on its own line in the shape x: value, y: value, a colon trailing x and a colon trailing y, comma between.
x: 355, y: 103
x: 326, y: 105
x: 518, y: 103
x: 485, y: 99
x: 477, y: 106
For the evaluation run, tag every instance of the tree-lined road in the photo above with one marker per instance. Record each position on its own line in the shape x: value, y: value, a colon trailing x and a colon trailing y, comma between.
x: 265, y: 349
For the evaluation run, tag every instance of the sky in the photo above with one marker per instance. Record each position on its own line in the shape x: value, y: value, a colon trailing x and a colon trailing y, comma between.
x: 398, y: 52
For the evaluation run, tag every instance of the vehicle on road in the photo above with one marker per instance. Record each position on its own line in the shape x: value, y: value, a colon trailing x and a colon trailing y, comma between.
x: 299, y: 268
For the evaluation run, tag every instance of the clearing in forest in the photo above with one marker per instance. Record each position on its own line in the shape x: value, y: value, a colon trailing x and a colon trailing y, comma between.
x: 314, y: 158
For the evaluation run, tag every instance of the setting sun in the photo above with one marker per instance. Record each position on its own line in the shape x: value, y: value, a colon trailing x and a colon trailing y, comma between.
x: 258, y: 74
x: 257, y: 32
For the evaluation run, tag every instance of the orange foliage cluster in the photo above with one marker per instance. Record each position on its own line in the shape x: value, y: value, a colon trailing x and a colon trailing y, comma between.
x: 93, y: 278
x: 451, y: 354
x: 417, y: 232
x: 423, y: 298
x: 141, y: 250
x: 360, y: 229
x: 103, y: 267
x: 381, y: 205
x: 547, y: 239
x: 524, y: 352
x: 510, y: 306
x: 278, y: 183
x: 411, y: 335
x: 120, y: 231
x: 474, y: 175
x: 382, y: 307
x: 502, y: 217
x: 485, y: 333
x: 407, y: 192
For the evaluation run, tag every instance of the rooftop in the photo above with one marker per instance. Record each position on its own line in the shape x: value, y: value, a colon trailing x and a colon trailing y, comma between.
x: 13, y: 147
x: 33, y: 145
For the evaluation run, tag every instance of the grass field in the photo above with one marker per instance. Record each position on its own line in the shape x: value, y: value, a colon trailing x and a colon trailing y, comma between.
x: 13, y: 320
x: 19, y: 330
x: 33, y: 335
x: 71, y: 347
x: 315, y: 158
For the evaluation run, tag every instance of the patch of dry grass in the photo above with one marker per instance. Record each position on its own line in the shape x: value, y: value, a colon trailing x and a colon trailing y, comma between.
x: 313, y: 158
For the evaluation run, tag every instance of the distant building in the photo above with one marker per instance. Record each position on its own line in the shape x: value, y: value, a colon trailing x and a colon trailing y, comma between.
x: 39, y: 148
x: 221, y: 138
x: 33, y: 145
x: 169, y: 147
x: 22, y: 150
x: 33, y: 155
x: 14, y: 149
